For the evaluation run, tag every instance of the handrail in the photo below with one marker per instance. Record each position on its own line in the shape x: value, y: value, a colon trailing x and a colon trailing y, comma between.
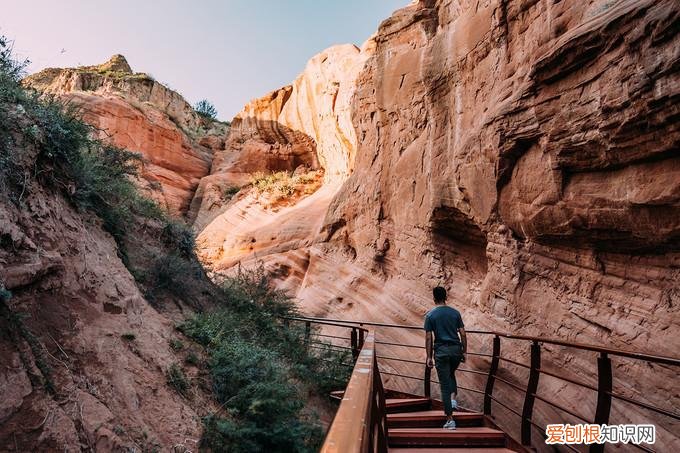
x: 377, y: 428
x: 618, y: 352
x: 359, y: 424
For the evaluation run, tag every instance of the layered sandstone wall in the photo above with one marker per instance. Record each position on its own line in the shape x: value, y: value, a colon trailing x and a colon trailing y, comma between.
x: 525, y: 154
x: 84, y: 355
x: 305, y: 124
x: 471, y: 138
x: 137, y: 113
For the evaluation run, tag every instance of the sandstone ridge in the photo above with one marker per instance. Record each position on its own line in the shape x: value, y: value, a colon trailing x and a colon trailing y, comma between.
x: 138, y: 113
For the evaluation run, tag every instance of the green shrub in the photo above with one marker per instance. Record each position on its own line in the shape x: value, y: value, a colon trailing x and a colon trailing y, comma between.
x: 192, y: 359
x: 176, y: 344
x: 95, y: 176
x: 5, y: 294
x: 261, y: 370
x: 178, y: 380
x: 206, y: 109
x: 172, y: 274
x: 229, y: 192
x: 176, y: 235
x: 103, y: 186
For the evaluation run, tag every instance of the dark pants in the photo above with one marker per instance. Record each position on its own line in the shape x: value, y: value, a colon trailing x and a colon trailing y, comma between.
x: 447, y: 357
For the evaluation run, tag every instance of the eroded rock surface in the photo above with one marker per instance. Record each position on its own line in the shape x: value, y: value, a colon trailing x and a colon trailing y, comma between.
x: 307, y: 123
x: 140, y: 114
x: 81, y: 326
x: 523, y: 154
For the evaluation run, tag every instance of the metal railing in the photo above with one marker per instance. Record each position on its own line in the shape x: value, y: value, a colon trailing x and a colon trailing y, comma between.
x: 360, y: 424
x: 603, y: 388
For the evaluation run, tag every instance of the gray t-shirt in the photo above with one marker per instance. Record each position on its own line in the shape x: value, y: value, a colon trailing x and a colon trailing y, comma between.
x: 444, y: 321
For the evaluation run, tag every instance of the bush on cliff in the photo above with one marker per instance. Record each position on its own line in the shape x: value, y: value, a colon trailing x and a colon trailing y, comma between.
x: 283, y: 185
x: 44, y: 141
x: 94, y: 175
x: 206, y: 109
x: 262, y: 370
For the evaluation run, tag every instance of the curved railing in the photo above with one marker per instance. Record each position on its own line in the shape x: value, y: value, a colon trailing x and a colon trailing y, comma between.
x: 603, y: 388
x: 360, y: 424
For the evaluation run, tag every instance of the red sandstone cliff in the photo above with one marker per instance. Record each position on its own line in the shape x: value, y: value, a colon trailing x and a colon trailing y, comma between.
x: 140, y: 114
x: 84, y: 355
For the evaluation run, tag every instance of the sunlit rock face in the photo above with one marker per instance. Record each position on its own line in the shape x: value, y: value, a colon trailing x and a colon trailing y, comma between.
x: 307, y: 124
x: 135, y: 112
x: 523, y: 154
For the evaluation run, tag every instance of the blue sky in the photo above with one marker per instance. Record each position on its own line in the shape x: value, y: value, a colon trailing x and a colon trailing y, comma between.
x: 227, y: 51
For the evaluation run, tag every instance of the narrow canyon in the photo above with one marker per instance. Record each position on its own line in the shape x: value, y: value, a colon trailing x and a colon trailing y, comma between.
x: 524, y: 154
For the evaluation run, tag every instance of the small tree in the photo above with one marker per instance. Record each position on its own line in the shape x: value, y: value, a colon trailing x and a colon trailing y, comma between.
x: 206, y: 109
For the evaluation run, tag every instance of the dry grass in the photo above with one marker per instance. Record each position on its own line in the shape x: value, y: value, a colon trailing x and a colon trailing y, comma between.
x: 283, y: 185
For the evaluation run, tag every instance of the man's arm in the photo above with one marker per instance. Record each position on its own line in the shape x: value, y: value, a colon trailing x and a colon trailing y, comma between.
x: 428, y: 349
x: 463, y: 340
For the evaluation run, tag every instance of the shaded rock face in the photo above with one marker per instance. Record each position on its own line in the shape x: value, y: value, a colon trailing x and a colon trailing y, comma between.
x: 137, y: 113
x: 78, y: 321
x: 523, y: 154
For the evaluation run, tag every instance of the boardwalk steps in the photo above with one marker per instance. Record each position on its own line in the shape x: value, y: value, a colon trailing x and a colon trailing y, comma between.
x: 415, y: 427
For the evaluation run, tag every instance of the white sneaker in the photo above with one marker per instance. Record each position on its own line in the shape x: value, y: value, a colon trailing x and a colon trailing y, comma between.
x: 450, y: 425
x: 454, y: 404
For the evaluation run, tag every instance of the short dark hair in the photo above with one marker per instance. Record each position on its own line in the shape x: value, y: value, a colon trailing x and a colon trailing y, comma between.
x: 439, y: 293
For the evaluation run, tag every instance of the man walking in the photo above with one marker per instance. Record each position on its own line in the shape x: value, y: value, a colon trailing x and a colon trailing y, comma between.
x: 444, y: 323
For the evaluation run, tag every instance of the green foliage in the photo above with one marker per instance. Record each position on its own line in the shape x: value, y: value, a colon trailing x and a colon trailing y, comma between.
x: 192, y: 359
x: 176, y: 235
x: 176, y: 344
x: 128, y: 336
x: 5, y: 294
x: 229, y: 192
x: 10, y: 68
x: 173, y: 274
x: 103, y: 186
x: 177, y: 379
x: 95, y: 176
x: 261, y: 370
x: 206, y: 109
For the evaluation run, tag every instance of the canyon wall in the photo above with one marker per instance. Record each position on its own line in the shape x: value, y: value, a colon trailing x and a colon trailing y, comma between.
x: 306, y: 124
x: 84, y: 355
x: 137, y: 113
x: 524, y: 154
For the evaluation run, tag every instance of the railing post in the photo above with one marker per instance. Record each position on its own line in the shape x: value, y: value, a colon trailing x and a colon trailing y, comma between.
x: 427, y: 382
x: 532, y: 387
x: 491, y: 378
x: 381, y: 410
x: 361, y: 337
x: 308, y: 331
x: 354, y: 343
x: 604, y: 397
